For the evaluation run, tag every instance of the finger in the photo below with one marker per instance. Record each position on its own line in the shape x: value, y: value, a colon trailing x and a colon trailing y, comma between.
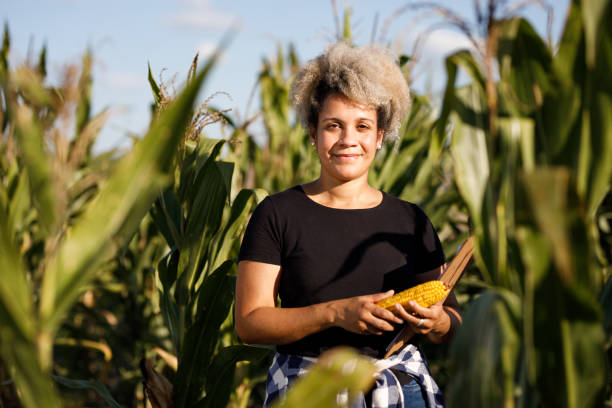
x: 387, y: 315
x: 377, y: 297
x: 410, y: 317
x: 415, y: 308
x: 377, y: 324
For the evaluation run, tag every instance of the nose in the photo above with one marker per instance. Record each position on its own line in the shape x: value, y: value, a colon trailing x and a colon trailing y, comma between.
x: 348, y: 137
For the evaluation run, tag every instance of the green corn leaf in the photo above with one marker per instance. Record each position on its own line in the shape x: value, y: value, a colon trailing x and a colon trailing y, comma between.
x: 469, y: 151
x: 167, y: 269
x: 154, y: 87
x: 346, y: 32
x: 605, y: 300
x: 172, y: 318
x: 564, y: 293
x: 560, y: 112
x: 42, y: 62
x: 29, y: 84
x: 525, y: 64
x: 167, y: 215
x: 4, y: 52
x: 4, y: 206
x: 210, y: 195
x: 547, y: 191
x: 571, y: 368
x: 600, y: 177
x: 337, y: 370
x: 118, y: 209
x: 31, y: 380
x: 241, y: 209
x: 226, y: 168
x: 17, y: 328
x: 593, y: 16
x: 15, y: 292
x: 485, y: 351
x: 213, y: 305
x: 465, y: 60
x: 220, y: 386
x: 19, y: 205
x: 32, y: 145
x: 569, y: 59
x: 404, y: 59
x: 84, y: 98
x: 88, y: 385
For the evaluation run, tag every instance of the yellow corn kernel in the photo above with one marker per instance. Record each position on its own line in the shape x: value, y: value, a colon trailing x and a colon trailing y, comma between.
x: 425, y: 294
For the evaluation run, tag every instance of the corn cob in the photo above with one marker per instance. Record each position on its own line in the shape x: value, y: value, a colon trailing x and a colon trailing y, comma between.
x: 425, y: 294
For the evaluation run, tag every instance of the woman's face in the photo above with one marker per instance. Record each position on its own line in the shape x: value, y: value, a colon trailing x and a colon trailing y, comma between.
x: 346, y: 138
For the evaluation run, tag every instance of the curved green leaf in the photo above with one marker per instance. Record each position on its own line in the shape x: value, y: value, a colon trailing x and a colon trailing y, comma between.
x: 213, y: 304
x: 17, y: 329
x: 38, y: 167
x: 209, y: 196
x: 219, y: 386
x: 241, y: 209
x: 154, y: 87
x: 525, y: 64
x: 84, y: 98
x: 88, y: 385
x: 118, y: 209
x: 485, y: 352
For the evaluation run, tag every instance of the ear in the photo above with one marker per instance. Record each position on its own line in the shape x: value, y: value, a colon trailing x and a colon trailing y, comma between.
x: 312, y: 133
x: 379, y: 137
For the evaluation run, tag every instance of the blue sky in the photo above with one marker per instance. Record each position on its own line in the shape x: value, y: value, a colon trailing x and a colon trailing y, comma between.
x: 125, y: 35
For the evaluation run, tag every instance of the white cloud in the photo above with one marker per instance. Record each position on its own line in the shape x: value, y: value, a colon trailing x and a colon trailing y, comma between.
x: 201, y: 14
x: 125, y: 81
x: 206, y: 49
x: 440, y: 43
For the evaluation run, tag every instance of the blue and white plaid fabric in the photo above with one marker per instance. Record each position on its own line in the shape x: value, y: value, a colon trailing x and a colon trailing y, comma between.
x: 387, y: 392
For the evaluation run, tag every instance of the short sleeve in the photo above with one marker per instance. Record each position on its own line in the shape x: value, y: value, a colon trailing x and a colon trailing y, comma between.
x: 432, y: 254
x: 262, y: 240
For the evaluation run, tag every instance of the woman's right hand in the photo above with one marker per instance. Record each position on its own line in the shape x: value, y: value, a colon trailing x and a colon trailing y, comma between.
x: 361, y: 315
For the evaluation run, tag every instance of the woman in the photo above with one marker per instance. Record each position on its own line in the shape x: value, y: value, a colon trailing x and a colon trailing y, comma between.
x: 332, y: 248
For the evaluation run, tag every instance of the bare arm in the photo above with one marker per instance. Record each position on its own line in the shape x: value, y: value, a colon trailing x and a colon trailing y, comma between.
x: 258, y: 320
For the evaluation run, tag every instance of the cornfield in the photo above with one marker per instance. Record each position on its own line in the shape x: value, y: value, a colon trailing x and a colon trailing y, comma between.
x: 118, y: 268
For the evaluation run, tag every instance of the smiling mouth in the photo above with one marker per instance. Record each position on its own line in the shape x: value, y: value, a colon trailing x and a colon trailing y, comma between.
x: 347, y: 156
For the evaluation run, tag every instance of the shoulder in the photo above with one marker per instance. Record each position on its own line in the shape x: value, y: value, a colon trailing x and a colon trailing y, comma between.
x: 286, y: 202
x: 280, y: 205
x: 290, y: 195
x: 406, y: 208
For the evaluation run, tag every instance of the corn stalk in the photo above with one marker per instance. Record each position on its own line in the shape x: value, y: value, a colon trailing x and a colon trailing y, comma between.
x: 533, y: 186
x: 202, y: 222
x: 61, y: 220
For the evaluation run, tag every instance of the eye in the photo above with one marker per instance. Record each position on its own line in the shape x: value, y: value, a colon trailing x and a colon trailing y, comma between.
x: 332, y: 125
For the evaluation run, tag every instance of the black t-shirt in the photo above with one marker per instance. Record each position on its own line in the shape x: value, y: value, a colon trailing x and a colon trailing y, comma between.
x: 327, y: 253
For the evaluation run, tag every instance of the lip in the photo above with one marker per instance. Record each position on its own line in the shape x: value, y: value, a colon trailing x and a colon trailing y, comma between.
x: 347, y: 156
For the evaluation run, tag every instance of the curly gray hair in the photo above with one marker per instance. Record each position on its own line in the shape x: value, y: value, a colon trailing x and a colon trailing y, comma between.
x: 368, y: 75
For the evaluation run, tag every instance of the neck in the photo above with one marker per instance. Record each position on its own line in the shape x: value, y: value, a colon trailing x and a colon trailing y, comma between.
x: 349, y: 194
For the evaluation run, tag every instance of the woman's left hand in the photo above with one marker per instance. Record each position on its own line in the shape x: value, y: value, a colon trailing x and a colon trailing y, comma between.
x: 433, y: 321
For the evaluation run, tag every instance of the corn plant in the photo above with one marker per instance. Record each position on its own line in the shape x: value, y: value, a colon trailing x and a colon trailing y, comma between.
x: 532, y: 161
x: 286, y: 157
x: 61, y: 217
x: 202, y: 222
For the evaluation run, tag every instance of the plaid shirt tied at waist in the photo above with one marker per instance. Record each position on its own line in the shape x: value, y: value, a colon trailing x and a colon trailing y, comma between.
x: 387, y: 392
